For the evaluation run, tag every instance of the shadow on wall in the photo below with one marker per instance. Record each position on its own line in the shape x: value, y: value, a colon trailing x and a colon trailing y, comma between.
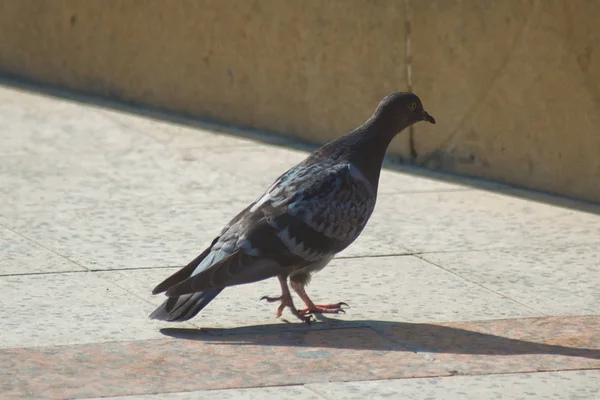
x: 393, y: 163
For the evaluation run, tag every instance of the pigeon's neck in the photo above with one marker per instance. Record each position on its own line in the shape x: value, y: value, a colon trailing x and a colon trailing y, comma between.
x: 364, y: 147
x: 367, y: 146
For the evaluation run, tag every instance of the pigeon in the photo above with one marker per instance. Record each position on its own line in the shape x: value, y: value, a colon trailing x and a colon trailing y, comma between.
x: 309, y: 214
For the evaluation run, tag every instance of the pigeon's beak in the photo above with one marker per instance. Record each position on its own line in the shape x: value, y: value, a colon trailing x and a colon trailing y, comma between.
x: 427, y: 117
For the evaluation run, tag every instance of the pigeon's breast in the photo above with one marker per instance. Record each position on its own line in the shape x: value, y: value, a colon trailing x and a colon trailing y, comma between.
x: 333, y: 207
x: 339, y: 213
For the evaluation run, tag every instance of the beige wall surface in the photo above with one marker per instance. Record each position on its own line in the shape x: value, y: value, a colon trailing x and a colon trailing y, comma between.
x: 514, y: 84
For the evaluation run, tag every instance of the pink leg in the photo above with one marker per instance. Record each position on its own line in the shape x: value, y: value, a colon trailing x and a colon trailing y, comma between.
x: 286, y: 301
x: 311, y: 307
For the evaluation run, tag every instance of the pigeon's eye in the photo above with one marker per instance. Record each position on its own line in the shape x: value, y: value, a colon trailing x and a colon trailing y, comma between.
x: 413, y: 106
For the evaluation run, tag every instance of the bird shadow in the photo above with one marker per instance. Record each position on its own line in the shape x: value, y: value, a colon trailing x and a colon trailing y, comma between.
x: 379, y: 336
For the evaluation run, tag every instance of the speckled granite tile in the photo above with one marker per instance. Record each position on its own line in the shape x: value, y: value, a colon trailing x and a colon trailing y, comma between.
x: 148, y: 176
x: 182, y: 133
x: 40, y: 124
x: 375, y: 242
x: 237, y: 307
x: 563, y: 385
x: 21, y: 256
x: 502, y: 346
x: 563, y: 281
x: 261, y: 165
x: 141, y: 177
x: 381, y: 289
x: 393, y: 181
x: 406, y: 288
x: 69, y: 308
x: 205, y: 361
x: 104, y: 238
x: 52, y: 181
x: 541, y: 197
x: 256, y: 160
x: 266, y: 393
x: 101, y: 238
x: 476, y: 220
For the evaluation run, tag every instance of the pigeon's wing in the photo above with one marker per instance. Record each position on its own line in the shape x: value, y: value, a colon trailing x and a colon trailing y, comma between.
x: 230, y: 257
x: 199, y: 262
x: 329, y: 213
x: 306, y: 216
x: 248, y: 252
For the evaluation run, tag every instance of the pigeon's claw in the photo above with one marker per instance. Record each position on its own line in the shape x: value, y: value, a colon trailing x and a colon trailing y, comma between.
x: 304, y: 317
x: 312, y: 308
x: 325, y: 309
x: 287, y: 301
x: 271, y: 299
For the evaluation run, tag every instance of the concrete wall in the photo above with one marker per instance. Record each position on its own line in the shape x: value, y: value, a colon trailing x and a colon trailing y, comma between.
x: 516, y: 88
x: 514, y: 84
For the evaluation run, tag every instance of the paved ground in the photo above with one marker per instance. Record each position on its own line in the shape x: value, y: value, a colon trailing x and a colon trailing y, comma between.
x: 459, y: 289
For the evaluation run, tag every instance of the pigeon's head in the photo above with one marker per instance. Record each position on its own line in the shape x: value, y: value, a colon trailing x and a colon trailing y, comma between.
x: 402, y: 109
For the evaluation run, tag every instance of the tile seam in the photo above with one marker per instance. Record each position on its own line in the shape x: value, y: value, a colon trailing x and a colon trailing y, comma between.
x: 37, y: 244
x: 542, y: 314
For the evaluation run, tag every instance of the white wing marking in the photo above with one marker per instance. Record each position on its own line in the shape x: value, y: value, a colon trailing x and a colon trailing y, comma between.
x: 246, y: 245
x: 262, y: 200
x: 356, y: 174
x: 296, y: 247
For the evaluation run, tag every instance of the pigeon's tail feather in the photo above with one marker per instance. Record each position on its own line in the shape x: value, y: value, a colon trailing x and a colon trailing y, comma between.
x: 183, y: 273
x: 184, y: 307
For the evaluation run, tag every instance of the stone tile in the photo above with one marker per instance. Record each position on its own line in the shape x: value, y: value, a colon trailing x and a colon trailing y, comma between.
x: 394, y: 181
x: 564, y: 281
x: 168, y: 235
x: 182, y: 133
x: 205, y: 361
x: 407, y: 289
x: 104, y: 238
x: 236, y: 307
x: 165, y: 236
x: 69, y: 308
x: 475, y: 220
x: 373, y: 242
x: 504, y: 346
x: 55, y: 181
x: 377, y: 289
x: 149, y: 176
x: 266, y: 393
x: 50, y: 182
x: 563, y: 385
x: 261, y: 165
x: 21, y: 256
x: 541, y: 197
x: 428, y: 180
x: 122, y: 164
x: 39, y: 124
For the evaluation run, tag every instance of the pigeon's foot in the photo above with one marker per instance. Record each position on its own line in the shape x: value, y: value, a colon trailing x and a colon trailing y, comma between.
x: 304, y: 317
x: 312, y: 308
x: 287, y: 301
x: 336, y: 308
